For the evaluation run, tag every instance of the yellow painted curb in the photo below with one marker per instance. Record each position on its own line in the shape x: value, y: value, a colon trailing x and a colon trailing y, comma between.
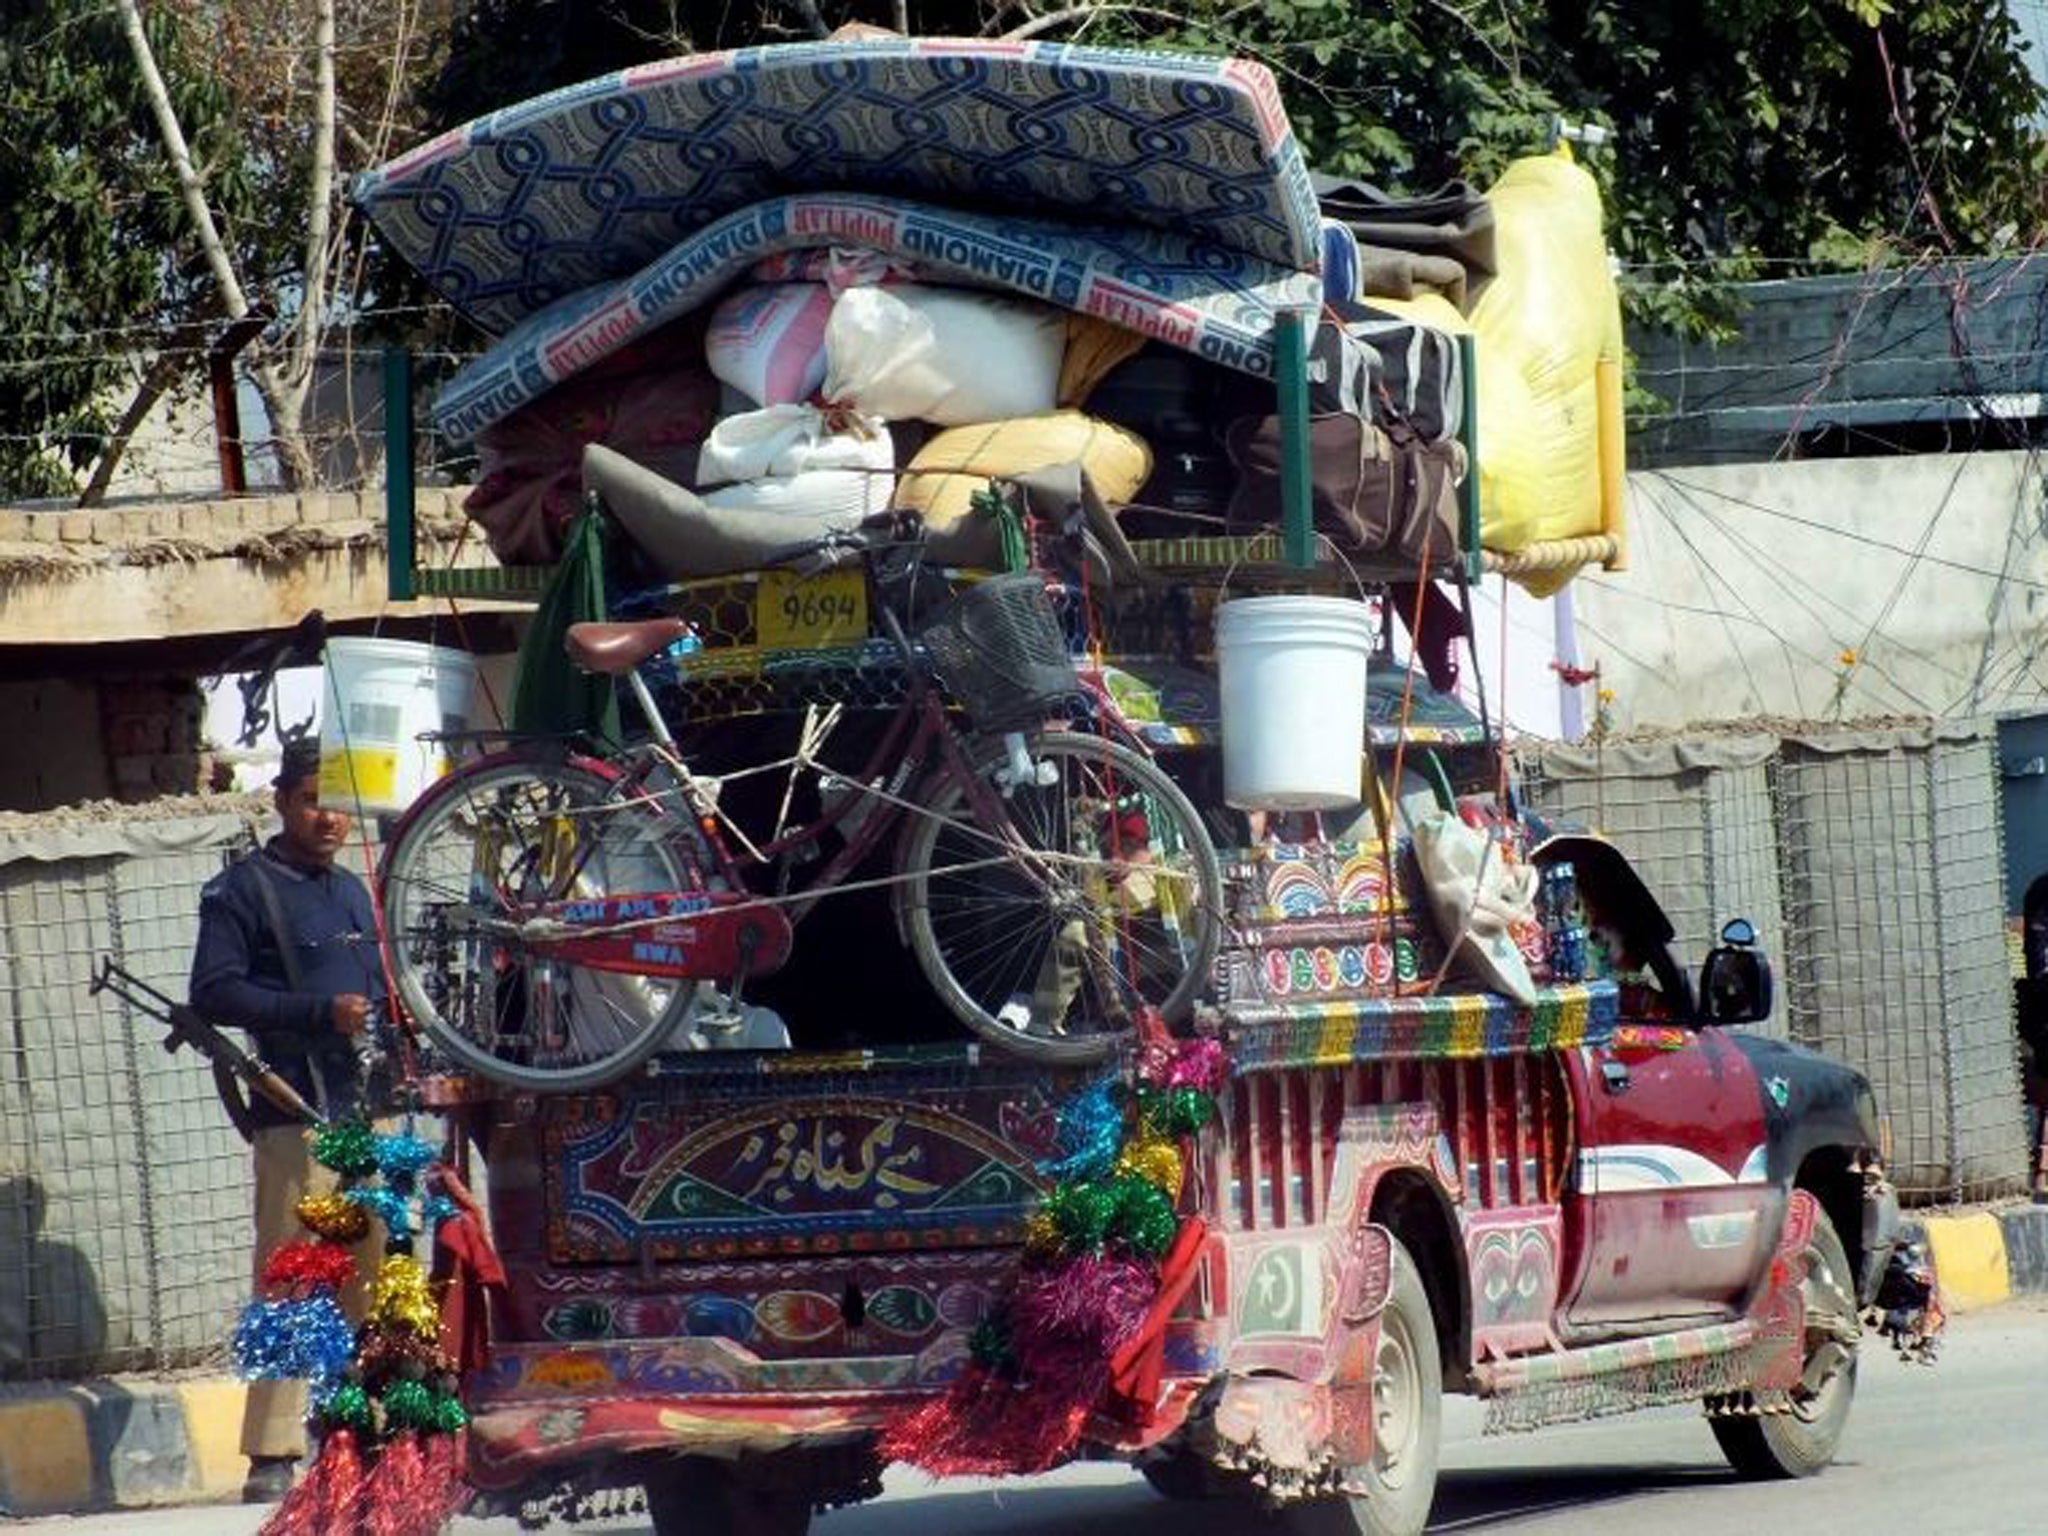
x: 213, y: 1430
x: 45, y: 1457
x: 1969, y: 1260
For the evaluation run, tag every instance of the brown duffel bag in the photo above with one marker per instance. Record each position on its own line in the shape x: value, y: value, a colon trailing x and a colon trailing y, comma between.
x: 1374, y: 492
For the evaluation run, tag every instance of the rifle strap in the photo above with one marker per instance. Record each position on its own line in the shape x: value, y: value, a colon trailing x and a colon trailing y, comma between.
x: 273, y: 912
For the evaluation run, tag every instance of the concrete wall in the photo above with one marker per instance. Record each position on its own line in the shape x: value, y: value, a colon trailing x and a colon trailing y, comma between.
x: 1826, y: 589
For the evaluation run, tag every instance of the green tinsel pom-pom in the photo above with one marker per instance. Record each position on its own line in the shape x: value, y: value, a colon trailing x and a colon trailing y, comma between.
x: 347, y: 1147
x: 1145, y: 1221
x: 1188, y: 1110
x: 990, y: 1346
x: 347, y: 1407
x: 408, y: 1405
x: 448, y: 1414
x: 1082, y: 1213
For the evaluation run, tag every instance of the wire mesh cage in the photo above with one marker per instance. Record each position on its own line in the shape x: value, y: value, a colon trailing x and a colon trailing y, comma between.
x: 1001, y: 653
x: 1870, y: 862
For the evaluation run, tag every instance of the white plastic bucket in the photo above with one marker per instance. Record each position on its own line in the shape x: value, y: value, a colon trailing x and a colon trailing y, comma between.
x: 1293, y: 698
x: 378, y: 698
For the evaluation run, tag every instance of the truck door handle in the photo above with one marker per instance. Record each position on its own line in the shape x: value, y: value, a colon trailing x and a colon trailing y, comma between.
x: 1615, y: 1075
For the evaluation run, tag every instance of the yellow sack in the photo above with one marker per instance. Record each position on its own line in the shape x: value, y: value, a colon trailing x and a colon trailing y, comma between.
x: 942, y: 479
x: 1550, y: 350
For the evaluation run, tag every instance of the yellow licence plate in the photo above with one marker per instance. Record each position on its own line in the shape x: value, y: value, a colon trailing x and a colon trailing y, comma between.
x: 793, y: 612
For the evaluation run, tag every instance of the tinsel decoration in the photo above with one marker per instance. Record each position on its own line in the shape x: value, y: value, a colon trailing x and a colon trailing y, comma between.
x: 303, y: 1266
x: 347, y: 1148
x: 325, y: 1501
x: 346, y: 1407
x: 403, y: 1154
x: 408, y: 1405
x: 384, y: 1398
x: 387, y: 1353
x: 300, y: 1337
x: 1154, y: 1159
x: 388, y: 1206
x: 449, y: 1415
x: 1043, y: 1360
x: 1088, y: 1130
x: 334, y: 1217
x: 1145, y: 1221
x: 401, y: 1298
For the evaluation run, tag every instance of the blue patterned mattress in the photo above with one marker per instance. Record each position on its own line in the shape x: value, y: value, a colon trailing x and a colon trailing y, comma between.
x: 514, y: 212
x: 1193, y: 294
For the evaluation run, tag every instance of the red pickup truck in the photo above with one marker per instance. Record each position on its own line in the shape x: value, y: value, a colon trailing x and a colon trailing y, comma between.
x: 729, y: 1273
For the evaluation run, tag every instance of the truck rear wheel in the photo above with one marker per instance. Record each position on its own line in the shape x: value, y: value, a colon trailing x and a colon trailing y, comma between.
x: 1407, y: 1426
x: 1802, y: 1440
x: 700, y: 1498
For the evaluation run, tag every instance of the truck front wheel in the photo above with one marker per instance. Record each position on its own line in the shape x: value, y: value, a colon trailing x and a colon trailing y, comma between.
x: 1801, y: 1440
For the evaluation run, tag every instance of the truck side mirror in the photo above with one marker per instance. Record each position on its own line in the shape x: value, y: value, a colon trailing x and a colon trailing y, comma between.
x: 1735, y: 982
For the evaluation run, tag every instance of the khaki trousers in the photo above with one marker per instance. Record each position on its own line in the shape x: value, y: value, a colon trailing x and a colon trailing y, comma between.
x: 274, y: 1419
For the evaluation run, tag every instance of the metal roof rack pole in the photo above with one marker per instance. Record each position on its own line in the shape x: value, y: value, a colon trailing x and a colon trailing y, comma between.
x: 1290, y: 376
x: 401, y: 548
x: 1468, y: 433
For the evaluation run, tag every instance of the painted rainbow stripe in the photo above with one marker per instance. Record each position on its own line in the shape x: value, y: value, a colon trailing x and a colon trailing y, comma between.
x: 1461, y: 1026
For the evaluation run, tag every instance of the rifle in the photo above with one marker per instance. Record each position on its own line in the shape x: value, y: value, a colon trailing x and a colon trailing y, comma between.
x: 232, y: 1066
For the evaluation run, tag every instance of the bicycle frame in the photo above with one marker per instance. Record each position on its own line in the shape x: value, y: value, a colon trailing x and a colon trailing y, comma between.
x: 718, y: 935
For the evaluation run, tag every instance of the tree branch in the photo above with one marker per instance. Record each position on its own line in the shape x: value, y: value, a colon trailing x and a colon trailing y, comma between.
x: 1052, y: 20
x: 319, y: 213
x: 284, y: 411
x: 808, y: 9
x: 156, y: 382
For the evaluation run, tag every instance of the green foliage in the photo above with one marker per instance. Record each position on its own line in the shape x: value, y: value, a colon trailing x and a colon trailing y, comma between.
x: 1752, y: 137
x: 93, y: 240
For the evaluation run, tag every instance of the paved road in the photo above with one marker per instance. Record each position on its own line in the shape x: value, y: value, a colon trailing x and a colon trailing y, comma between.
x: 1952, y: 1451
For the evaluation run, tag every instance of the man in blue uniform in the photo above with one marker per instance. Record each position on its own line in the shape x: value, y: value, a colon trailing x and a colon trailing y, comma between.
x: 288, y: 951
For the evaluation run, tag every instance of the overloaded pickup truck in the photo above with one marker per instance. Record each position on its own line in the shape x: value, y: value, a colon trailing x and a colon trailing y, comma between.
x: 732, y: 1271
x: 1287, y: 1172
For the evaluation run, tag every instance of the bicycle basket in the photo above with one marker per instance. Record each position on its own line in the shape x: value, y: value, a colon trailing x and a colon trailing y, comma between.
x: 999, y: 651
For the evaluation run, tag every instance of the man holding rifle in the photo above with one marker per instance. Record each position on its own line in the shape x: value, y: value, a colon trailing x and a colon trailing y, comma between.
x: 287, y: 950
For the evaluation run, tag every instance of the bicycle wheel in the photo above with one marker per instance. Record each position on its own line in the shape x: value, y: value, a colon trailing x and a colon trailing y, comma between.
x: 485, y: 852
x: 1102, y: 895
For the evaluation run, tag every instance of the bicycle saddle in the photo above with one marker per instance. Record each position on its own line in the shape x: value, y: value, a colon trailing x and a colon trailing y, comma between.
x: 613, y: 649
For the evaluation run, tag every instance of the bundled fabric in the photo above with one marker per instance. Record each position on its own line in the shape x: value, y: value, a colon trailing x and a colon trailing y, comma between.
x: 1398, y: 246
x: 942, y: 480
x: 1373, y: 492
x: 684, y: 535
x: 653, y: 400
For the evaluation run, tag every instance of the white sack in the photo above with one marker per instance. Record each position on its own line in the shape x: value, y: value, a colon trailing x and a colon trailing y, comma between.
x: 942, y: 355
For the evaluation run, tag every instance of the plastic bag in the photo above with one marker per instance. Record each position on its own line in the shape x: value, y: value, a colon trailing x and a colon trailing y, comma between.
x: 1479, y: 899
x: 769, y: 342
x: 1545, y: 325
x: 942, y: 355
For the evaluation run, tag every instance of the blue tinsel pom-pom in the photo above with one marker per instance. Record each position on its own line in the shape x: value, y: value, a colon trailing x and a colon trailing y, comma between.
x: 1090, y: 1132
x: 305, y: 1338
x: 403, y: 1153
x: 389, y: 1207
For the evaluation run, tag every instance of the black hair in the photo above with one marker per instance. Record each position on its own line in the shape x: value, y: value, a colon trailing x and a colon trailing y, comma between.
x: 301, y: 761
